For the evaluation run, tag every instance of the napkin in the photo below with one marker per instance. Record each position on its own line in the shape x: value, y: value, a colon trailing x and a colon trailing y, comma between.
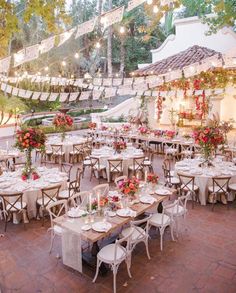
x: 148, y: 199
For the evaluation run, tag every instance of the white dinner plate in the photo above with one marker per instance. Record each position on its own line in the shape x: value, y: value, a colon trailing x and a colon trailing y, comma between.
x: 125, y: 213
x: 86, y: 227
x: 147, y: 199
x: 162, y: 192
x: 101, y: 227
x: 76, y: 213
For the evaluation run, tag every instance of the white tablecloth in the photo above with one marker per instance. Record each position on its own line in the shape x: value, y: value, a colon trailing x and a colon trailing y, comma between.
x: 67, y: 144
x: 106, y: 153
x: 11, y: 182
x: 203, y: 175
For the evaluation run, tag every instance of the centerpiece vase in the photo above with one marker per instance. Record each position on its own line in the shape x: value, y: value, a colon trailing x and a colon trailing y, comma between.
x: 63, y: 135
x: 28, y: 164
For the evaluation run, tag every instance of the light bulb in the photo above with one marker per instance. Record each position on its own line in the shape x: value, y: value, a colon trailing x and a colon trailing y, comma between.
x: 46, y: 68
x: 63, y: 63
x: 122, y: 30
x: 155, y: 9
x: 76, y: 55
x: 98, y: 45
x: 149, y: 2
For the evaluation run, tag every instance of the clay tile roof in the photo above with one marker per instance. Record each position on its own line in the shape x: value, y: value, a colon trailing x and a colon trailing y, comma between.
x: 178, y: 61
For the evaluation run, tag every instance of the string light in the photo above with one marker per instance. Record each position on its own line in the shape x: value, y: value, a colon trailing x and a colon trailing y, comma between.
x: 98, y: 45
x: 155, y: 9
x: 59, y: 75
x: 149, y: 2
x: 122, y: 29
x: 72, y: 76
x: 63, y: 63
x: 16, y: 73
x: 76, y: 55
x: 46, y: 68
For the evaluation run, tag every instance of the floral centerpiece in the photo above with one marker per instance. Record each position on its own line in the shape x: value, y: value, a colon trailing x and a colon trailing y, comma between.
x: 102, y: 203
x: 152, y: 178
x: 126, y: 127
x: 225, y: 127
x: 129, y: 186
x: 208, y: 138
x: 104, y: 128
x: 157, y: 132
x: 119, y: 145
x: 143, y: 130
x: 63, y: 122
x: 27, y: 140
x: 92, y: 125
x: 170, y: 134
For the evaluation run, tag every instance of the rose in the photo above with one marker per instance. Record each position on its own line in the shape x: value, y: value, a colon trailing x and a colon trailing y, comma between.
x: 24, y: 177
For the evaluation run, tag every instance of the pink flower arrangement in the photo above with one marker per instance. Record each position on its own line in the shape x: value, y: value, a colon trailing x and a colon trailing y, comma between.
x: 143, y: 130
x: 30, y: 138
x: 208, y: 138
x: 129, y: 186
x: 126, y: 127
x: 157, y: 132
x: 92, y: 125
x: 152, y: 178
x: 119, y: 145
x: 104, y: 128
x: 170, y: 134
x: 63, y: 121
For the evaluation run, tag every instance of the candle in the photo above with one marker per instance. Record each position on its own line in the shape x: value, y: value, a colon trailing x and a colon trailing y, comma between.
x: 90, y: 203
x: 98, y: 201
x: 145, y: 178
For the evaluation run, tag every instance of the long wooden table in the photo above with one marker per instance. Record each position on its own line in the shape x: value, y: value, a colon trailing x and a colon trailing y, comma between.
x: 75, y: 224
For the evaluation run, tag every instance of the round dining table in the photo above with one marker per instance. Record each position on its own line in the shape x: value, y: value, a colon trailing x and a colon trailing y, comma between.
x: 67, y: 143
x: 203, y: 175
x: 108, y: 153
x: 11, y: 182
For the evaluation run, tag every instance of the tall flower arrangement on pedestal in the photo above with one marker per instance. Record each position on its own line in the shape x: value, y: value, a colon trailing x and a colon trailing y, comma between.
x: 63, y: 122
x: 27, y: 140
x: 208, y: 138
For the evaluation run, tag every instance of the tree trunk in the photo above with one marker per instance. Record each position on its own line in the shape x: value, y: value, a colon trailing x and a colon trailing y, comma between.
x: 109, y: 45
x: 122, y: 56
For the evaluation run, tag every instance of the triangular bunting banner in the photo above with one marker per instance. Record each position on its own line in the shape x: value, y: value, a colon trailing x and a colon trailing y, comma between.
x: 86, y: 27
x: 111, y: 17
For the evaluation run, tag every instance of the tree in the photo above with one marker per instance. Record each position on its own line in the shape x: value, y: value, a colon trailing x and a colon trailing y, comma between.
x: 9, y: 107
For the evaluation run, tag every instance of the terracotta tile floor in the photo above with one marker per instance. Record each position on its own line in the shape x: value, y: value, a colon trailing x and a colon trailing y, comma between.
x: 203, y: 259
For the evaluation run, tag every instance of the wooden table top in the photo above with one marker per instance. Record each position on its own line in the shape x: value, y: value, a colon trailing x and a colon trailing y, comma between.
x: 75, y: 224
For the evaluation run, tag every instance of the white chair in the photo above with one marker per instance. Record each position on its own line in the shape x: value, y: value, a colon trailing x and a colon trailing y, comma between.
x: 96, y: 167
x: 55, y: 210
x: 101, y: 189
x: 119, y: 180
x: 86, y: 163
x: 179, y: 210
x: 80, y: 199
x: 114, y: 255
x: 162, y: 220
x: 139, y: 234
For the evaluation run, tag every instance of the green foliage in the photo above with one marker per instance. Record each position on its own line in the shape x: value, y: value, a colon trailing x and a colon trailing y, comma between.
x: 120, y: 119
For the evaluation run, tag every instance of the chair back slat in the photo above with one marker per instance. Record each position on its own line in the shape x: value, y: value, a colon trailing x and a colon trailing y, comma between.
x: 49, y: 194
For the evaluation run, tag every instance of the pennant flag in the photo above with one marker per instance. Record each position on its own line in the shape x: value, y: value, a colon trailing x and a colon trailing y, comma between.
x: 97, y: 94
x: 112, y: 16
x: 86, y: 27
x: 117, y: 81
x: 110, y: 92
x: 134, y: 3
x: 175, y: 74
x: 63, y: 97
x: 31, y: 53
x: 19, y: 58
x: 28, y: 94
x: 3, y: 86
x: 44, y: 96
x: 5, y: 64
x: 8, y: 89
x: 21, y: 93
x: 128, y: 81
x: 73, y: 96
x: 126, y: 92
x: 78, y: 82
x: 65, y: 36
x: 46, y: 45
x: 53, y: 97
x: 15, y: 91
x: 141, y: 87
x: 36, y: 95
x: 107, y: 82
x: 85, y: 95
x: 97, y: 81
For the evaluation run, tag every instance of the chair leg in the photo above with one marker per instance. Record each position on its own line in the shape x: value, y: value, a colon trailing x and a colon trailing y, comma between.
x: 147, y: 249
x: 161, y: 239
x: 114, y: 268
x: 172, y: 232
x: 52, y: 241
x: 97, y: 270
